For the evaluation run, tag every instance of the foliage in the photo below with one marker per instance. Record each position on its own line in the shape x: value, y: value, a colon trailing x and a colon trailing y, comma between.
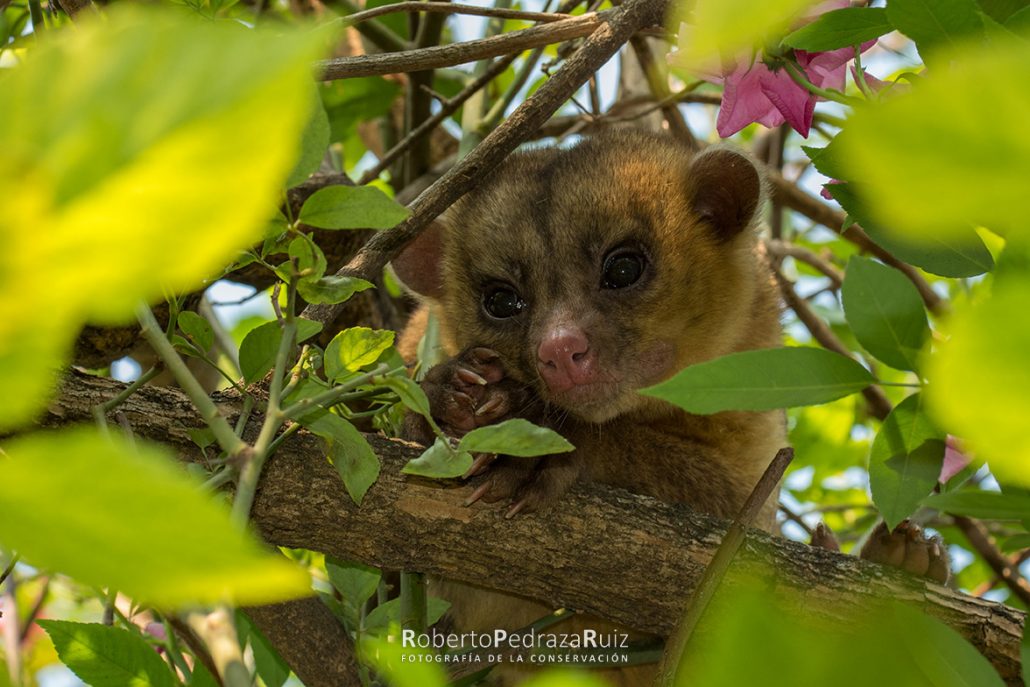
x: 151, y: 150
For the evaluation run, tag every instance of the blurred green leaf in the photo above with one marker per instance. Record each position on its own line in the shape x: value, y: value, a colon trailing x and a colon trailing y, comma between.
x: 935, y: 23
x: 396, y: 665
x: 515, y: 437
x: 840, y: 29
x: 350, y: 102
x: 763, y: 380
x: 918, y: 185
x: 198, y: 329
x: 885, y: 312
x: 905, y: 460
x: 259, y: 347
x: 355, y: 348
x: 439, y: 461
x: 944, y: 656
x: 351, y: 207
x: 1001, y: 10
x: 979, y: 377
x: 565, y: 677
x: 385, y: 614
x: 952, y: 253
x: 113, y: 515
x: 727, y: 27
x: 104, y: 656
x: 989, y: 505
x: 116, y: 174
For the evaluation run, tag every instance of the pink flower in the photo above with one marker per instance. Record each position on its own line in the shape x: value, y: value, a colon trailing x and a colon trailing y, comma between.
x: 752, y: 92
x: 755, y: 93
x: 955, y: 459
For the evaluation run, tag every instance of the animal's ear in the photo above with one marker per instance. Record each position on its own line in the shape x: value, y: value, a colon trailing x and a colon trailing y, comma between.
x: 724, y: 191
x: 420, y: 265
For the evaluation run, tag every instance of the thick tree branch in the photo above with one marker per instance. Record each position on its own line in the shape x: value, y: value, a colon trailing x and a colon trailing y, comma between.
x: 612, y: 32
x: 636, y: 570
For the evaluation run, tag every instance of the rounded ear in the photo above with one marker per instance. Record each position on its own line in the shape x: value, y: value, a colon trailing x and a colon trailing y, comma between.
x: 419, y: 265
x: 725, y: 190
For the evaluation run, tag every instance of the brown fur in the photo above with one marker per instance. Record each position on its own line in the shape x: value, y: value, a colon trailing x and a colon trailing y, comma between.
x: 543, y: 223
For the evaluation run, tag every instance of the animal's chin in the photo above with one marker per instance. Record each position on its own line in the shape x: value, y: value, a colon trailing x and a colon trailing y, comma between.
x: 597, y: 402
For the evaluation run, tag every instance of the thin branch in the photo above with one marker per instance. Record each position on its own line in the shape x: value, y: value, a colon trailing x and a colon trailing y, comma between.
x: 668, y: 669
x: 791, y: 196
x: 658, y: 81
x: 980, y: 540
x: 782, y: 249
x: 877, y: 401
x: 450, y: 8
x: 376, y: 32
x: 9, y: 569
x: 461, y: 53
x: 615, y: 29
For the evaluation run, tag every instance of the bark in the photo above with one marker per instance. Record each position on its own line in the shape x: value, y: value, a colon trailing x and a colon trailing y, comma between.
x: 621, y: 556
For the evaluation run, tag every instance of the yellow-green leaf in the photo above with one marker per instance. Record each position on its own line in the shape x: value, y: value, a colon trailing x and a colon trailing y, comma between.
x: 731, y: 26
x: 113, y: 515
x: 141, y: 153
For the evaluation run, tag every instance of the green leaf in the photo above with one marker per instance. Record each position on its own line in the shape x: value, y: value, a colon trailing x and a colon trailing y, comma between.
x: 840, y: 29
x: 935, y: 23
x: 980, y: 375
x: 944, y: 656
x: 905, y: 460
x: 104, y: 656
x: 383, y: 615
x: 412, y: 396
x: 259, y: 347
x: 308, y: 257
x: 202, y: 677
x: 885, y: 312
x: 313, y: 143
x: 354, y: 460
x: 926, y: 189
x: 1016, y: 543
x: 439, y: 461
x: 515, y: 437
x: 953, y: 253
x: 197, y: 329
x: 353, y: 349
x: 989, y: 505
x: 1001, y: 10
x: 351, y: 207
x: 763, y: 380
x: 270, y: 666
x: 141, y: 526
x: 350, y: 102
x: 114, y: 173
x: 332, y: 289
x: 731, y: 26
x: 356, y: 583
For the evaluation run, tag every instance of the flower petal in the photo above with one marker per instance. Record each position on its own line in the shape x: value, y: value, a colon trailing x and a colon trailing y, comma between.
x: 744, y: 101
x: 795, y: 103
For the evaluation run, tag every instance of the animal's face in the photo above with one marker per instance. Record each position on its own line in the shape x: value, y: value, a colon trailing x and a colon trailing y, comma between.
x: 596, y: 271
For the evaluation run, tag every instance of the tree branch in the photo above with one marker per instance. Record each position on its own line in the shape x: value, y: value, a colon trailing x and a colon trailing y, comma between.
x: 468, y: 51
x: 413, y: 524
x: 614, y: 29
x: 452, y: 8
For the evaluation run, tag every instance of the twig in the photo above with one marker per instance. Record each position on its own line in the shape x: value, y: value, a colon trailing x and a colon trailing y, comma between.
x: 223, y: 339
x: 217, y: 632
x: 224, y: 435
x: 418, y: 101
x: 376, y: 32
x: 616, y: 28
x: 877, y: 401
x: 980, y: 540
x: 709, y: 583
x: 196, y: 646
x: 451, y: 8
x: 459, y: 53
x: 33, y: 613
x: 9, y: 569
x: 658, y: 81
x: 782, y: 249
x: 791, y: 196
x: 795, y: 518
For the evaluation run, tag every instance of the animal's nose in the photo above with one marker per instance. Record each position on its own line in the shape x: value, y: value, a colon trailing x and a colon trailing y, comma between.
x: 565, y: 359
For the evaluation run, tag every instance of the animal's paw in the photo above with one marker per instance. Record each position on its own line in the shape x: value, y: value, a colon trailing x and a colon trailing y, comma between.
x: 472, y: 390
x: 909, y: 548
x: 526, y: 484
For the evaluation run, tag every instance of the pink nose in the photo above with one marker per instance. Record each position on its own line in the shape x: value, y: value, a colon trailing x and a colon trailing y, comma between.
x: 565, y: 359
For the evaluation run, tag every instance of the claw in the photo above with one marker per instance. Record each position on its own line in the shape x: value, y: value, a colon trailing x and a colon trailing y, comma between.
x: 485, y: 355
x: 469, y: 377
x: 477, y: 494
x: 479, y: 464
x: 515, y: 510
x: 490, y: 406
x: 463, y: 399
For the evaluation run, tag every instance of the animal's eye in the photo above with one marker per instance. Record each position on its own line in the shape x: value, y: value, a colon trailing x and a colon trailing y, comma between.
x: 622, y: 268
x: 502, y: 302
